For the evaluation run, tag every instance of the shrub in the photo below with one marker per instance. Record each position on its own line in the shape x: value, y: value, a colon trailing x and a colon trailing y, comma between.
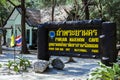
x: 106, y: 73
x: 20, y: 65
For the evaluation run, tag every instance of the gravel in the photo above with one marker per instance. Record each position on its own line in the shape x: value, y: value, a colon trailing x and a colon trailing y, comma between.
x: 78, y: 70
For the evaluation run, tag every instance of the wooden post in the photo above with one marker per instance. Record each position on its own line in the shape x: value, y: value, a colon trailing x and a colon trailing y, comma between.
x: 43, y: 44
x: 108, y: 44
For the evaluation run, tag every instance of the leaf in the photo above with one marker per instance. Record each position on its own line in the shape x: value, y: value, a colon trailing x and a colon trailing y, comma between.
x: 105, y: 72
x: 16, y: 69
x: 10, y: 63
x: 21, y: 63
x: 28, y: 64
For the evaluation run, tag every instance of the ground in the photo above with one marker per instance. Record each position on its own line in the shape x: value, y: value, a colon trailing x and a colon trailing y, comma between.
x: 72, y: 71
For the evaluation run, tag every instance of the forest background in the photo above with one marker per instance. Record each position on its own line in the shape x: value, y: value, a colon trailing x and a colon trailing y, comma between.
x: 108, y: 10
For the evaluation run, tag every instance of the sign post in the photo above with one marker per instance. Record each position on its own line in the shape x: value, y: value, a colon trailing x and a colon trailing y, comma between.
x: 108, y: 43
x: 84, y: 39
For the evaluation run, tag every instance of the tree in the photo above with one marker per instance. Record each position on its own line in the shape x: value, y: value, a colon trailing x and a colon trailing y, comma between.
x: 53, y: 9
x: 2, y: 19
x: 74, y: 16
x: 4, y: 12
x: 39, y: 4
x: 108, y: 10
x: 113, y: 10
x: 86, y: 10
x: 23, y: 10
x: 24, y: 44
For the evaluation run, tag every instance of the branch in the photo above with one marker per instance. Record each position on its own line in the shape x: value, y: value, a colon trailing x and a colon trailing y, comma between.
x: 11, y: 2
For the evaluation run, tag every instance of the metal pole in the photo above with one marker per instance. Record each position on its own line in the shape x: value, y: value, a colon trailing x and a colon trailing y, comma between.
x: 0, y: 45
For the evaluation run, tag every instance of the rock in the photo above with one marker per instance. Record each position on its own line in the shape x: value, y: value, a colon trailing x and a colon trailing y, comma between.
x: 58, y: 64
x: 40, y: 66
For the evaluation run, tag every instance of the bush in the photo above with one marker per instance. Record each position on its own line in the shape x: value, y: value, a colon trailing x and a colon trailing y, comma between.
x: 106, y: 73
x: 20, y: 65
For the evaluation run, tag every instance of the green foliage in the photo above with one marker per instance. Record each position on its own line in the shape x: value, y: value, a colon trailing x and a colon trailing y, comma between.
x: 106, y: 73
x: 14, y: 65
x: 16, y: 68
x: 24, y: 63
x: 38, y: 4
x: 4, y: 11
x: 9, y: 65
x: 108, y: 10
x: 20, y: 65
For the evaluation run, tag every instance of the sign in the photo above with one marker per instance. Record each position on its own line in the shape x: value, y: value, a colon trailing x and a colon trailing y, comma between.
x: 79, y: 40
x: 84, y: 39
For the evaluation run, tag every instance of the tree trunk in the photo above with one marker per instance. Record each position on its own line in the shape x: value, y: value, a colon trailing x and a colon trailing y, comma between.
x: 100, y: 10
x: 4, y: 31
x: 85, y: 2
x: 24, y: 44
x: 53, y: 9
x: 76, y: 10
x: 4, y: 37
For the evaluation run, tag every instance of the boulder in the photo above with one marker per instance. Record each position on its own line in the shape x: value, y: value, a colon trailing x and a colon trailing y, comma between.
x: 58, y: 64
x: 40, y: 66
